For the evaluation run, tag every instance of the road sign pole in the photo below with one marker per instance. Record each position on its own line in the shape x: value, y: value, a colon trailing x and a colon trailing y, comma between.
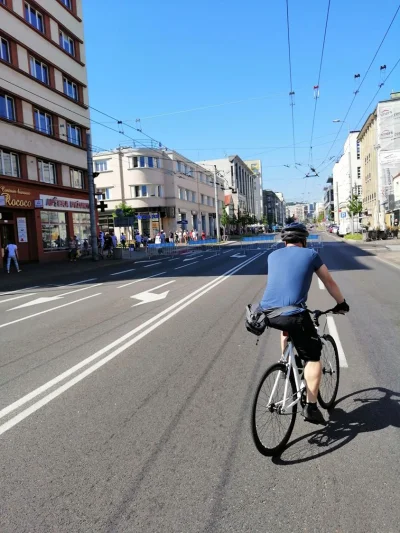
x: 92, y: 207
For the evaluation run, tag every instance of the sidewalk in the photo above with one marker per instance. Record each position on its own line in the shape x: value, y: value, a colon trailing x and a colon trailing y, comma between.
x: 44, y: 273
x: 387, y: 251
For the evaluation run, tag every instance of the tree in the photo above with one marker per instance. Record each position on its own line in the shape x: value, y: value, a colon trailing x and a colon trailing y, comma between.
x: 354, y: 206
x: 225, y: 220
x: 265, y: 221
x: 321, y: 217
x: 127, y: 210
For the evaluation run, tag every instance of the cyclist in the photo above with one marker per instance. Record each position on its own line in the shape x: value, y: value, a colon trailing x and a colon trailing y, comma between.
x: 290, y: 271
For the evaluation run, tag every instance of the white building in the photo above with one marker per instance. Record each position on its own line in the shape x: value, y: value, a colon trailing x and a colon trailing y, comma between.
x: 166, y: 190
x: 281, y: 209
x: 347, y: 177
x: 239, y: 179
x: 255, y: 166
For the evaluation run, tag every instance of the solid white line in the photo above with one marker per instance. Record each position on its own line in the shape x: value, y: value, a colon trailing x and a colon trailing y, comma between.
x: 17, y: 297
x: 387, y: 262
x: 142, y: 279
x: 154, y: 322
x: 334, y: 332
x: 321, y: 285
x: 154, y: 264
x: 184, y: 266
x: 122, y: 272
x: 47, y: 310
x: 79, y: 282
x: 19, y: 290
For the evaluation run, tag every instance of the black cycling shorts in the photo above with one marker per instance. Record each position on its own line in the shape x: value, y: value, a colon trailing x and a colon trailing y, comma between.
x: 302, y: 331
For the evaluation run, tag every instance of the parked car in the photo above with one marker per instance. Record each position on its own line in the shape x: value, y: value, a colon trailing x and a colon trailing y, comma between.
x: 335, y: 229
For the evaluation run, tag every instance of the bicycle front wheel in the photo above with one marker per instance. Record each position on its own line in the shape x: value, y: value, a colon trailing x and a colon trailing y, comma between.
x: 272, y: 423
x: 328, y: 388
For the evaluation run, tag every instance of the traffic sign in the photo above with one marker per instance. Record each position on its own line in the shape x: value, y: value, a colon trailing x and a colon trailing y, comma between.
x: 343, y: 214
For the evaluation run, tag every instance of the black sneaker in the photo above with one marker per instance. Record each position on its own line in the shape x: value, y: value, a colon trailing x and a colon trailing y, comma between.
x: 313, y: 415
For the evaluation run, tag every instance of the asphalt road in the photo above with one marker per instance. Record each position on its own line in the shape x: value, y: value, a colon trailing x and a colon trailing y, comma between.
x: 119, y: 417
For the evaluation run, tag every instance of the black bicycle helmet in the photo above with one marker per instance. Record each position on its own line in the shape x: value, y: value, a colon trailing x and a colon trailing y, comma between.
x: 294, y: 231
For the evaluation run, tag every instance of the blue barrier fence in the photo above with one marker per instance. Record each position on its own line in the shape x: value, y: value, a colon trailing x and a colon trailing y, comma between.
x: 260, y: 238
x: 206, y: 241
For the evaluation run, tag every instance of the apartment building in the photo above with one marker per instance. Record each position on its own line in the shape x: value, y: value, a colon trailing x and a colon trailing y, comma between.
x: 238, y: 178
x: 379, y: 151
x: 44, y: 118
x: 166, y: 190
x: 256, y: 168
x: 347, y: 176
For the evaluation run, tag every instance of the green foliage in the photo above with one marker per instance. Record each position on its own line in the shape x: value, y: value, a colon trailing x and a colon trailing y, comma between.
x: 127, y: 210
x: 225, y: 219
x: 353, y: 237
x: 354, y: 206
x: 321, y: 217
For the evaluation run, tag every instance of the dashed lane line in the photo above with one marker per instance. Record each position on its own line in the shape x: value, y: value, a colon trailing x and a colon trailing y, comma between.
x: 122, y: 272
x: 154, y: 264
x: 334, y: 332
x: 184, y: 266
x: 321, y: 285
x: 138, y: 280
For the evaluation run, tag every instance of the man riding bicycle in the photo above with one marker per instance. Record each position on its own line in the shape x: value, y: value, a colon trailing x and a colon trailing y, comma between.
x: 290, y: 272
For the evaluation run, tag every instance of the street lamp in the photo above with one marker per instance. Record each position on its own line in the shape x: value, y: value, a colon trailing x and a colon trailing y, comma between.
x: 337, y: 120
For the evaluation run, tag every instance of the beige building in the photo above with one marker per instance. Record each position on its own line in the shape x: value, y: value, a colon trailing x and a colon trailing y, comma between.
x: 44, y: 118
x: 166, y: 190
x: 368, y: 156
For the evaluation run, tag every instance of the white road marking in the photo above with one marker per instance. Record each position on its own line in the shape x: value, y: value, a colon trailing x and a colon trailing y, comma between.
x: 387, y: 262
x: 122, y: 272
x: 321, y: 285
x: 17, y: 297
x: 47, y: 310
x: 146, y: 261
x: 184, y: 266
x: 154, y: 264
x: 153, y: 323
x: 79, y: 282
x: 238, y: 255
x: 148, y: 296
x: 191, y: 258
x: 142, y: 279
x: 210, y: 257
x: 19, y: 290
x: 334, y: 332
x: 227, y: 251
x: 46, y: 299
x: 176, y: 259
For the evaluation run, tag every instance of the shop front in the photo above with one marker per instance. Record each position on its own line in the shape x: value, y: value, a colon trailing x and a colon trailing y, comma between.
x: 41, y: 225
x: 17, y: 221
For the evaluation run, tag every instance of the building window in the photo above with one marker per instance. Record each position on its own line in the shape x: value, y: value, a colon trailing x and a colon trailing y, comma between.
x: 67, y: 43
x: 189, y: 171
x: 101, y: 166
x: 158, y: 162
x: 4, y: 50
x: 150, y: 162
x: 180, y: 166
x: 7, y: 109
x: 39, y: 70
x: 70, y: 89
x: 141, y: 161
x: 193, y: 196
x: 358, y: 173
x: 81, y: 222
x: 43, y: 122
x: 47, y: 172
x: 34, y: 17
x: 54, y: 230
x: 74, y: 135
x: 76, y: 178
x: 67, y: 3
x: 103, y: 194
x: 358, y: 150
x: 203, y: 199
x: 9, y: 164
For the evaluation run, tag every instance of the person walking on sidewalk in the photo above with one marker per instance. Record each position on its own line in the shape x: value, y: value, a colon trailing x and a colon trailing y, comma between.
x: 123, y: 240
x: 73, y: 249
x: 12, y: 253
x: 396, y: 228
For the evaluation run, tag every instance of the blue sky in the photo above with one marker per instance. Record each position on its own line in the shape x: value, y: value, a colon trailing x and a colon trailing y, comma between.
x: 156, y: 58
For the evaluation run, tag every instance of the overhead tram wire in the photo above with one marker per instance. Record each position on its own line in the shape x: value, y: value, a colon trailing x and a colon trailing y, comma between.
x: 361, y: 83
x: 310, y: 159
x: 291, y: 94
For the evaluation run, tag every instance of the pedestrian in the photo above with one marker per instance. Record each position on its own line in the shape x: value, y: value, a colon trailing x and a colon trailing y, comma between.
x: 176, y: 237
x: 396, y: 228
x: 145, y: 239
x: 138, y: 241
x: 100, y: 244
x: 114, y: 241
x: 203, y: 236
x: 73, y: 249
x: 123, y: 240
x: 162, y: 237
x: 86, y: 247
x: 171, y: 236
x: 157, y: 239
x: 12, y: 253
x: 180, y: 235
x: 108, y: 245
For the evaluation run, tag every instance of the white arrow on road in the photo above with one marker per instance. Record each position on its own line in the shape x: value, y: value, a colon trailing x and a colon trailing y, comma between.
x: 238, y: 256
x: 45, y: 299
x: 147, y: 296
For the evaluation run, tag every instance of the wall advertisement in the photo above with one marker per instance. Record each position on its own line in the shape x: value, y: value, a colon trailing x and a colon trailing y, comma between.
x: 388, y: 148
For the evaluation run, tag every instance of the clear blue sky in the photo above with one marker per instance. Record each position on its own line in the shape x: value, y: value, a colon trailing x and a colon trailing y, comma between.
x: 153, y: 58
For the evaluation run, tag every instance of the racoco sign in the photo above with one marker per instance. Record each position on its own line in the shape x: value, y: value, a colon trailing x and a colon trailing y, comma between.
x: 16, y: 197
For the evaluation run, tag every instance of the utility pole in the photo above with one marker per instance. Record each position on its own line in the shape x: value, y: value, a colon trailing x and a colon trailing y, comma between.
x: 92, y: 207
x: 216, y: 202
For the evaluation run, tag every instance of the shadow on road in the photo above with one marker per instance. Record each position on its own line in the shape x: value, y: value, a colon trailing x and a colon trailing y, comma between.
x: 364, y: 411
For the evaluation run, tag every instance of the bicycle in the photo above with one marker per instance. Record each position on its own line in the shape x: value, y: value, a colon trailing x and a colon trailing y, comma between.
x: 274, y: 408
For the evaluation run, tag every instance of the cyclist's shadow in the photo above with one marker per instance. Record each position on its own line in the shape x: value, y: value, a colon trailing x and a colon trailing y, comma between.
x: 363, y: 411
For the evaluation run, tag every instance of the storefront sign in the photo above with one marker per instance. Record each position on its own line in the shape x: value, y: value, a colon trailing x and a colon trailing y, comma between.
x: 22, y: 231
x: 38, y: 204
x: 147, y: 216
x: 2, y: 201
x: 16, y: 197
x: 59, y: 203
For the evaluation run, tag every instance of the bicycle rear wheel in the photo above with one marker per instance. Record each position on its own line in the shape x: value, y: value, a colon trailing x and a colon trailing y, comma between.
x: 330, y: 372
x: 271, y: 429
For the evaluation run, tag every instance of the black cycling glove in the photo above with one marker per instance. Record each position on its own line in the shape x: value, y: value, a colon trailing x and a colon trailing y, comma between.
x: 341, y: 309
